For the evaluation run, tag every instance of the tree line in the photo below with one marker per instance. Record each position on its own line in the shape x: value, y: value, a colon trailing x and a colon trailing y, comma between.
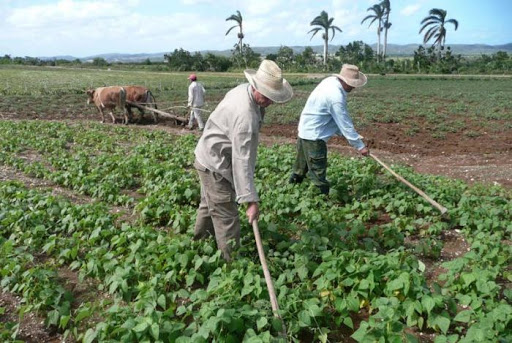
x: 427, y: 59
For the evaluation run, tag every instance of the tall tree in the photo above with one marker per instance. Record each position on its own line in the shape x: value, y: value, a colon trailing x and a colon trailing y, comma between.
x: 436, y: 21
x: 378, y: 14
x: 386, y: 6
x: 238, y: 18
x: 324, y: 23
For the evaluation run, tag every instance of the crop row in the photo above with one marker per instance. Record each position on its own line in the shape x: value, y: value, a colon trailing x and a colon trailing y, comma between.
x: 341, y: 265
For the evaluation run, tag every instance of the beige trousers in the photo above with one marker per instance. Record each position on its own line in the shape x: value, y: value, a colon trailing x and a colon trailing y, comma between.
x: 217, y: 214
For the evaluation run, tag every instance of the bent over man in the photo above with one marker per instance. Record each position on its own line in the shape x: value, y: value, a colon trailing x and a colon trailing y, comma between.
x: 226, y: 155
x: 325, y: 115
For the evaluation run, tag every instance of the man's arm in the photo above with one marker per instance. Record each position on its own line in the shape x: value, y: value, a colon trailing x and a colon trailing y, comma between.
x: 190, y: 95
x: 346, y: 126
x: 244, y: 151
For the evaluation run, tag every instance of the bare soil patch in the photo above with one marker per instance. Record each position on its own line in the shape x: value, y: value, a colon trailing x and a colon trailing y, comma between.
x: 486, y: 158
x: 32, y: 328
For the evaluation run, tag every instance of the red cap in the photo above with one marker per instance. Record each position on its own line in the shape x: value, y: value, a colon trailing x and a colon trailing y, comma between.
x: 192, y: 77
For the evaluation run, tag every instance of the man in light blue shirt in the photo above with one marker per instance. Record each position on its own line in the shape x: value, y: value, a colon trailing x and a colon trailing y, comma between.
x: 325, y: 115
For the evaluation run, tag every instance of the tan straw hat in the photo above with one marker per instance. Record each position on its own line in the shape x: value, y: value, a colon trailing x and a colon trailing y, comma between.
x: 268, y: 80
x: 351, y: 75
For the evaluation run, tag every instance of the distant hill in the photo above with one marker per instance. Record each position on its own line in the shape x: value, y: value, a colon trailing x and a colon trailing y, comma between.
x: 393, y: 50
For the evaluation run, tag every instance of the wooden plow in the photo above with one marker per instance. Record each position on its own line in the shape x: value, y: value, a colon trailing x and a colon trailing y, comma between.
x: 159, y: 112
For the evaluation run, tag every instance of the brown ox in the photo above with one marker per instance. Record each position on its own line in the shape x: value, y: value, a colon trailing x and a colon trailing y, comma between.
x: 142, y: 96
x: 108, y: 98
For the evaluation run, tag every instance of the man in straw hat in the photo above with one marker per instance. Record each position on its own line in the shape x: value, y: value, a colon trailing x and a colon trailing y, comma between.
x: 226, y: 155
x: 325, y: 115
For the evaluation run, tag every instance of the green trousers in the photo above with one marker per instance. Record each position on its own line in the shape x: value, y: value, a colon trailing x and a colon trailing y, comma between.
x: 311, y: 160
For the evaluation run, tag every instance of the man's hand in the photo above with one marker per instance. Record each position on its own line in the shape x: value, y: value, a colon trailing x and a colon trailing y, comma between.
x: 253, y: 211
x: 365, y: 151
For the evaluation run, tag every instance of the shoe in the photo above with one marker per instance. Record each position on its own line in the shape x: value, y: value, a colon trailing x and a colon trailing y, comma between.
x: 324, y: 190
x: 294, y: 178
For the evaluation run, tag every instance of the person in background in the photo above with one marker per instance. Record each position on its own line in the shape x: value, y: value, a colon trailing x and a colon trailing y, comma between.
x: 325, y: 115
x: 226, y: 155
x: 195, y: 102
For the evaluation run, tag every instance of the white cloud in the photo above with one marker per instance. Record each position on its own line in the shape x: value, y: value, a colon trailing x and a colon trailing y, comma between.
x: 197, y: 2
x: 410, y: 10
x: 66, y: 12
x: 258, y: 8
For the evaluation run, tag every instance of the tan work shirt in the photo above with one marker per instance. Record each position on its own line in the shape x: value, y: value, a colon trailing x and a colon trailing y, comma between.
x: 229, y: 143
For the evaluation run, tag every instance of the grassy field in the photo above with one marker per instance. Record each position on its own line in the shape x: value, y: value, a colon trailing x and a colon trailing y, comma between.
x: 443, y: 103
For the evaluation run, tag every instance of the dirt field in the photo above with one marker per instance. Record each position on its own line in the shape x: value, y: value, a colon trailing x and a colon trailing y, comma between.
x: 486, y: 158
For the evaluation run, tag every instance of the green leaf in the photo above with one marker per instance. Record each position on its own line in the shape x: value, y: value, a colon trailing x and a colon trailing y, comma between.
x: 141, y: 327
x: 261, y: 323
x: 348, y: 322
x: 360, y: 334
x: 421, y: 266
x: 428, y: 303
x: 443, y: 323
x: 90, y: 336
x: 463, y: 316
x: 304, y: 319
x: 64, y: 321
x: 468, y: 278
x: 155, y: 330
x: 161, y: 301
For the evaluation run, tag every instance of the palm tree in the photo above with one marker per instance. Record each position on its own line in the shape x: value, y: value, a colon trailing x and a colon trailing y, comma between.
x: 436, y: 20
x: 324, y: 23
x: 238, y: 18
x: 386, y: 6
x: 378, y: 15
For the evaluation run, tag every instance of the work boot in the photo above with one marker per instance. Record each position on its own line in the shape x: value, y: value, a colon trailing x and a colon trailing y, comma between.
x: 295, y: 178
x: 324, y: 189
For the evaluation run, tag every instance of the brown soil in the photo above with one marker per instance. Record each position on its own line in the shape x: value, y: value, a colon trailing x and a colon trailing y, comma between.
x: 486, y: 158
x: 32, y: 328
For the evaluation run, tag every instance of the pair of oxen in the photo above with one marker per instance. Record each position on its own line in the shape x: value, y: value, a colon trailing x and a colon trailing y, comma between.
x: 124, y: 98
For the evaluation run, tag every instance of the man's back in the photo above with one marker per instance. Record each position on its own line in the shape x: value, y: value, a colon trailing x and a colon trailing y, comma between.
x: 196, y: 94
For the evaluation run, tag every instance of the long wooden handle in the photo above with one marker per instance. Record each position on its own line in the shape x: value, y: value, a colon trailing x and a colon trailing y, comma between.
x: 419, y: 191
x: 162, y: 113
x: 268, y: 278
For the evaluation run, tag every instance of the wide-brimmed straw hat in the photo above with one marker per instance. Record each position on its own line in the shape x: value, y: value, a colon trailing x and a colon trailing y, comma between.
x: 268, y: 80
x: 351, y: 75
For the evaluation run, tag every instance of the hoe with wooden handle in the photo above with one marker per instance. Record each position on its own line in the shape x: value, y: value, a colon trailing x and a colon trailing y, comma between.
x: 419, y: 191
x: 268, y: 278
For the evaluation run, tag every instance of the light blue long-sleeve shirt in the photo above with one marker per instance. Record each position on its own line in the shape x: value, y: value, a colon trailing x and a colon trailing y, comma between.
x: 325, y: 114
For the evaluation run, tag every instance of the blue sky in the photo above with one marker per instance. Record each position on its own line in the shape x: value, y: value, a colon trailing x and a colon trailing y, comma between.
x: 83, y: 28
